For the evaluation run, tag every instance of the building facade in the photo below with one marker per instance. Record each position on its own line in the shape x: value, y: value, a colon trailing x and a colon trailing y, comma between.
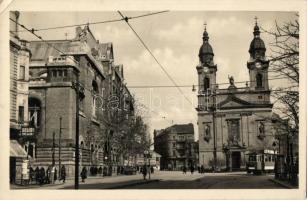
x: 22, y: 144
x: 59, y: 71
x: 233, y: 121
x: 176, y: 146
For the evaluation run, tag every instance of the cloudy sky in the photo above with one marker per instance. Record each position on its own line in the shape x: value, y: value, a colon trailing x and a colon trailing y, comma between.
x: 175, y: 39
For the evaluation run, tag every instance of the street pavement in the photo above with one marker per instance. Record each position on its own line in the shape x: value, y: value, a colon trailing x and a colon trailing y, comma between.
x: 170, y: 180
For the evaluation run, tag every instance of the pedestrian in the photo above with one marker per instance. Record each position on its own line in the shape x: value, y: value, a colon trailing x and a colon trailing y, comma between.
x: 83, y: 174
x: 202, y: 169
x: 48, y: 172
x: 184, y: 169
x: 36, y: 172
x: 192, y: 169
x: 151, y: 169
x: 55, y: 174
x: 42, y: 175
x: 198, y: 169
x: 63, y: 173
x: 144, y: 172
x: 32, y: 174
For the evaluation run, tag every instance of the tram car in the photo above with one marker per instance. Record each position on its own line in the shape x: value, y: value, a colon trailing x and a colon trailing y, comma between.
x: 259, y: 162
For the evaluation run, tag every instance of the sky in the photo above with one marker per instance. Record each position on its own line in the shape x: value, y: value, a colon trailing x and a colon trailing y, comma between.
x: 175, y: 39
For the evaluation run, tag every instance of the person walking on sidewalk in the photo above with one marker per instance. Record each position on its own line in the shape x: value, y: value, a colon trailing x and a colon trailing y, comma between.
x: 83, y: 174
x: 144, y: 172
x: 63, y: 173
x: 42, y: 175
x: 192, y: 169
x: 184, y: 169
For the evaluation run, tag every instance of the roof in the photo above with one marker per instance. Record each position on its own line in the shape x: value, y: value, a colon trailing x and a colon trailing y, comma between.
x: 257, y: 43
x: 177, y: 128
x: 41, y: 50
x: 16, y: 150
x: 183, y: 128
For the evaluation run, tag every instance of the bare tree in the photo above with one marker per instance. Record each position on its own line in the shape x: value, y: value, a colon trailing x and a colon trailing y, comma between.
x: 285, y: 64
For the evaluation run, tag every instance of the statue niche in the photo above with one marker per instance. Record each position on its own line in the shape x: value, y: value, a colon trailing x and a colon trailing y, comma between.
x: 207, y: 135
x: 233, y: 132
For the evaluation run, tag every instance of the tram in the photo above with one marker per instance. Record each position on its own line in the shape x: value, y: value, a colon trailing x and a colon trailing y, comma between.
x: 259, y: 162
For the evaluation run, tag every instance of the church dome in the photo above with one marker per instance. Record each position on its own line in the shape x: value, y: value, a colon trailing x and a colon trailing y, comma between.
x: 205, y: 52
x: 257, y: 46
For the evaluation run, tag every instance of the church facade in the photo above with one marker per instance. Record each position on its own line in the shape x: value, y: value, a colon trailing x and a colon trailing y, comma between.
x: 233, y: 121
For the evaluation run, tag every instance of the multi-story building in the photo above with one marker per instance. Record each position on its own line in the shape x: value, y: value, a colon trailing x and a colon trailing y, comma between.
x: 176, y: 146
x: 233, y: 121
x: 22, y: 142
x: 57, y: 69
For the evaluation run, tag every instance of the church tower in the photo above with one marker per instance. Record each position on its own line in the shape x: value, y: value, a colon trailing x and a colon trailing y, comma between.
x: 206, y: 70
x: 258, y: 64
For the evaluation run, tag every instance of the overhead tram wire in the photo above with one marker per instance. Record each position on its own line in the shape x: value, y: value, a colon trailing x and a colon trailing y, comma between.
x: 154, y: 57
x: 169, y: 86
x: 39, y: 37
x: 95, y: 23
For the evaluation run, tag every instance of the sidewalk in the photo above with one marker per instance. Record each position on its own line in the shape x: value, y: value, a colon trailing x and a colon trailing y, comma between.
x: 284, y: 184
x: 97, y: 182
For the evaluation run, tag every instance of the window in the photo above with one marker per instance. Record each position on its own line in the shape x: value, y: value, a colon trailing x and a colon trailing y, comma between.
x: 54, y: 74
x: 34, y: 112
x: 60, y: 72
x: 22, y: 72
x: 259, y: 80
x: 95, y: 92
x: 21, y: 114
x: 259, y: 97
x: 65, y: 73
x: 206, y: 83
x: 174, y: 145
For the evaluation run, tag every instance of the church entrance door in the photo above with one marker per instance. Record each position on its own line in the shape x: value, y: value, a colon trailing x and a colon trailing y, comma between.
x: 236, y: 160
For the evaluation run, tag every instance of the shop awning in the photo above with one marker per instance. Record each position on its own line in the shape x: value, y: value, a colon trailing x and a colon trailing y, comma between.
x: 16, y: 150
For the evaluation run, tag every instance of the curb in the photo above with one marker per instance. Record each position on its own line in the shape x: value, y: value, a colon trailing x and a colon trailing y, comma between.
x: 285, y: 185
x: 133, y: 184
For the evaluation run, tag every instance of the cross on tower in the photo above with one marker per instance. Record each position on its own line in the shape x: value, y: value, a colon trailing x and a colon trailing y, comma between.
x: 205, y: 24
x: 256, y: 18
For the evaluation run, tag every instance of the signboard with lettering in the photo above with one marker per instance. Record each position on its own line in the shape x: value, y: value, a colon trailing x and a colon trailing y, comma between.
x: 27, y: 131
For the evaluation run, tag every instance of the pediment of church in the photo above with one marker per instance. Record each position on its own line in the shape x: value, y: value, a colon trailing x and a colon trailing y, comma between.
x: 233, y: 101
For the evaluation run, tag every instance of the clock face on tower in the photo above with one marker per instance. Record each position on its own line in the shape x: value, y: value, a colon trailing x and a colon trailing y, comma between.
x: 206, y: 69
x: 258, y: 65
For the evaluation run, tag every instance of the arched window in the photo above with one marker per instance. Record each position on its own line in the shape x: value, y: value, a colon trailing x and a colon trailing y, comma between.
x: 95, y: 92
x: 206, y: 83
x: 34, y: 112
x: 259, y: 80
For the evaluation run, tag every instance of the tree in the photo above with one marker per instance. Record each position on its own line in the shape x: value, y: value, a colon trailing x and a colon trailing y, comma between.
x: 284, y: 62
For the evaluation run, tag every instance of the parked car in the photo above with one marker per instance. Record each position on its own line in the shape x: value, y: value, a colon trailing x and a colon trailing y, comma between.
x: 128, y: 170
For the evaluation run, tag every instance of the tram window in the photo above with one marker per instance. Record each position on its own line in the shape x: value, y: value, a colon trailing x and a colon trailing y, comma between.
x: 252, y: 158
x: 266, y: 158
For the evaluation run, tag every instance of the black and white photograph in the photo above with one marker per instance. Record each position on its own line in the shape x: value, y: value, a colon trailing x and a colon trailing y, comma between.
x: 154, y: 100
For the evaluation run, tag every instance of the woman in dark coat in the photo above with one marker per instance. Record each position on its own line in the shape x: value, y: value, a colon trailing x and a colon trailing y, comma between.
x: 83, y: 174
x: 144, y: 171
x: 36, y: 172
x: 63, y: 173
x: 42, y: 175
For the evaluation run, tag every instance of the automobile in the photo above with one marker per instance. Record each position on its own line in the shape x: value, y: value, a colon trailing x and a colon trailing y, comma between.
x: 129, y: 170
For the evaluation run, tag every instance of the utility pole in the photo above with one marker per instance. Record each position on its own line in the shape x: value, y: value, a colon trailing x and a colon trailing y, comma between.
x: 76, y: 87
x: 60, y: 133
x: 214, y: 132
x: 53, y: 148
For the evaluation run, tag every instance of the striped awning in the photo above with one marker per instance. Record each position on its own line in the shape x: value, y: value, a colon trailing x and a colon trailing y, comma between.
x: 16, y: 150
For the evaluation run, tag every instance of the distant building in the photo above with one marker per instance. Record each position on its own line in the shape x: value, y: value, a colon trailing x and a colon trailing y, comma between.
x: 176, y: 146
x: 234, y: 121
